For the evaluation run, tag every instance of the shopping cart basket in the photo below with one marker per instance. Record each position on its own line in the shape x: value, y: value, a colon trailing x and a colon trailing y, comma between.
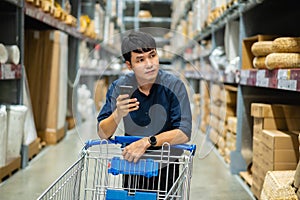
x: 102, y: 173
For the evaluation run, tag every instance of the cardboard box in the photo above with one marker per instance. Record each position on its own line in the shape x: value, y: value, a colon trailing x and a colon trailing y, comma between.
x: 275, y: 111
x: 247, y: 56
x: 280, y: 155
x: 270, y: 123
x: 256, y: 189
x: 267, y: 165
x: 232, y: 124
x: 275, y: 139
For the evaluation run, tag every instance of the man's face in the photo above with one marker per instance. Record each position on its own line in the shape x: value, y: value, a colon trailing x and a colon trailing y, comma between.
x: 145, y: 65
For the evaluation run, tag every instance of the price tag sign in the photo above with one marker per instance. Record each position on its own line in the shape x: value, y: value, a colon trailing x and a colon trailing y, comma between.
x: 283, y: 74
x: 262, y: 82
x: 245, y: 74
x: 260, y: 74
x: 287, y: 84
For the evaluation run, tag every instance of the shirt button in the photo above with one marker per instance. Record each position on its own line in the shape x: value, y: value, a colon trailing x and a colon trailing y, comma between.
x: 146, y: 126
x: 146, y: 113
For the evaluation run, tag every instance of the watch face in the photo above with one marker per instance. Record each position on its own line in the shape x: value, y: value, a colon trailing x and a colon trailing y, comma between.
x: 153, y: 140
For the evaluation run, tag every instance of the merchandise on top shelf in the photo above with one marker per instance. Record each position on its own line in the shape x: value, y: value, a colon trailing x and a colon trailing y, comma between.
x: 282, y: 60
x: 13, y: 54
x: 286, y: 45
x: 247, y: 55
x: 3, y: 54
x: 262, y: 48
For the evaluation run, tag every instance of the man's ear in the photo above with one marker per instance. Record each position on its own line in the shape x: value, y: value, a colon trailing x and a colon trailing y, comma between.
x: 128, y: 64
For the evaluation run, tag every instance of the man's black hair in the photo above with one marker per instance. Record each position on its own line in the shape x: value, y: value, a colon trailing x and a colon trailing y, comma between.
x: 138, y: 42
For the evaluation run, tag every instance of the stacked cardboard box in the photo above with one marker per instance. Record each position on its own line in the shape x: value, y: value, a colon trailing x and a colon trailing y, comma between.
x: 196, y: 108
x: 204, y: 105
x: 274, y: 146
x: 230, y: 137
x: 223, y: 106
x: 100, y: 89
x: 46, y: 70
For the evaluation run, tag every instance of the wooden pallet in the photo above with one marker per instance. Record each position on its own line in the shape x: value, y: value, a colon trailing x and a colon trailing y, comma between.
x: 34, y: 148
x: 13, y: 165
x: 247, y: 177
x: 52, y: 136
x: 71, y: 122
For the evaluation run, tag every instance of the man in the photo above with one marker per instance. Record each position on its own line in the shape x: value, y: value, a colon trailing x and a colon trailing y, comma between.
x: 158, y: 108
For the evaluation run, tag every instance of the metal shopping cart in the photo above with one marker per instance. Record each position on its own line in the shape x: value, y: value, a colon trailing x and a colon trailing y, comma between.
x: 101, y: 173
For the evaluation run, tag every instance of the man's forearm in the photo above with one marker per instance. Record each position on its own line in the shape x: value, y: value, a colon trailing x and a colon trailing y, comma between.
x: 108, y: 126
x: 172, y: 137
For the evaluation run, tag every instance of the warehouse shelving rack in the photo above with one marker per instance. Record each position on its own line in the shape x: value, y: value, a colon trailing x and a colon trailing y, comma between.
x: 16, y: 17
x: 269, y: 86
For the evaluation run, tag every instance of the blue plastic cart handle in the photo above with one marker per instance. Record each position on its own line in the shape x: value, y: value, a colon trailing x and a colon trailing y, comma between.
x: 125, y: 140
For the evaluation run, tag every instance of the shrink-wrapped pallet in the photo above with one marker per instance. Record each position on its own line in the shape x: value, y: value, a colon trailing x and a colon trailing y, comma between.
x: 15, y: 129
x: 262, y: 48
x: 277, y: 185
x: 287, y: 45
x: 283, y: 60
x: 3, y: 135
x: 259, y: 62
x: 30, y: 133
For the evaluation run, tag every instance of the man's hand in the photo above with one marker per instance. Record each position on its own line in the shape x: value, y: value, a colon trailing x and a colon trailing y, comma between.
x: 135, y: 150
x: 125, y: 105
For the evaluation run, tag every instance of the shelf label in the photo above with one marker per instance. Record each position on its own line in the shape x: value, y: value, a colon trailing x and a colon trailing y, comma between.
x: 262, y: 82
x: 260, y: 74
x: 245, y: 73
x: 283, y: 74
x: 243, y: 81
x: 287, y: 84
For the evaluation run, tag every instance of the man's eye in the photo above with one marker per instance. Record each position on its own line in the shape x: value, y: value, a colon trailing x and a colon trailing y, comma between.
x: 152, y: 55
x: 140, y: 60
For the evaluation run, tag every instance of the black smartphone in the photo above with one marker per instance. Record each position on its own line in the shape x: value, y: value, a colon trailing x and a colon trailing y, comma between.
x: 126, y: 89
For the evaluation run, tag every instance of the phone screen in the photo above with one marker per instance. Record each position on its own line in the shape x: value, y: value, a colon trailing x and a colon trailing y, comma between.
x: 126, y: 89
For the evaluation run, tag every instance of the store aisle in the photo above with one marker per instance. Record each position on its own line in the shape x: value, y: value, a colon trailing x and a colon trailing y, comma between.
x: 211, y: 177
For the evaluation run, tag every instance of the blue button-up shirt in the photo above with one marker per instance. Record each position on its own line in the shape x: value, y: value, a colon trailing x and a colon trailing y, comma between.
x: 167, y: 107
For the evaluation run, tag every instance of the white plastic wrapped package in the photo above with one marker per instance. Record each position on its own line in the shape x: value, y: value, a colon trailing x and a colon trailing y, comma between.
x: 30, y: 133
x: 3, y: 135
x: 15, y: 129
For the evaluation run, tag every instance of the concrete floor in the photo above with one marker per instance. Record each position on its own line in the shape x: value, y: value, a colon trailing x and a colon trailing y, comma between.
x: 211, y: 176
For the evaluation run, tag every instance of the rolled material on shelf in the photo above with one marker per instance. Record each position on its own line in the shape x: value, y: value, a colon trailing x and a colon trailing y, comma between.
x: 287, y: 45
x: 15, y: 129
x: 259, y: 62
x: 3, y: 135
x: 262, y: 48
x: 13, y: 54
x: 3, y: 54
x: 283, y: 60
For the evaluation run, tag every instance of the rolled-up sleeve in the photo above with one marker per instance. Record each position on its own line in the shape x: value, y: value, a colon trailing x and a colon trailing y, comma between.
x: 180, y: 115
x: 109, y: 105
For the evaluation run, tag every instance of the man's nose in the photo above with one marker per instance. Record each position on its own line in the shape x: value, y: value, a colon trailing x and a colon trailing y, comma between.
x: 148, y: 62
